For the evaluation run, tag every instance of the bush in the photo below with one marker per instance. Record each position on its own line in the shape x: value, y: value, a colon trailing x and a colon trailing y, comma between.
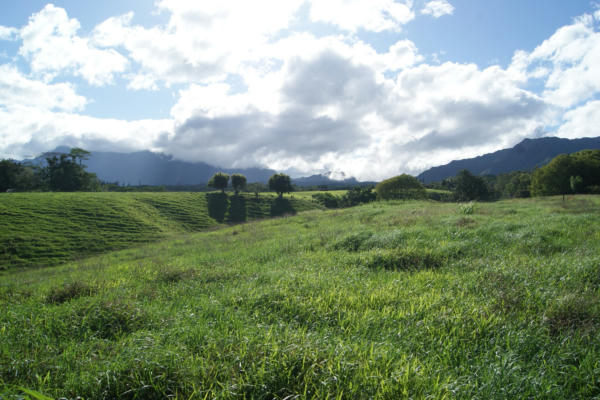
x: 73, y: 290
x: 400, y: 187
x: 327, y: 200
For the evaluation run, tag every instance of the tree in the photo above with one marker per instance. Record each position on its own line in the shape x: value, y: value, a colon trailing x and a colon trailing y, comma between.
x: 238, y: 181
x: 79, y: 154
x: 555, y: 177
x: 66, y: 175
x: 400, y: 187
x: 576, y: 183
x: 358, y: 195
x: 470, y: 187
x: 220, y: 180
x: 10, y: 171
x: 280, y: 183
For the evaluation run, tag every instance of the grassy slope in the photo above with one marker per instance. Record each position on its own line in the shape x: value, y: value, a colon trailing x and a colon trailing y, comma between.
x: 49, y: 228
x: 508, y: 308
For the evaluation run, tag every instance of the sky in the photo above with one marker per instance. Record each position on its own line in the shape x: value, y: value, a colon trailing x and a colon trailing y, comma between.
x: 369, y: 89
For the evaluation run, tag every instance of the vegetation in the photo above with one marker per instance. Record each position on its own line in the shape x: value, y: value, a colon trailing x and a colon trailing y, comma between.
x: 280, y: 183
x: 63, y: 172
x: 555, y: 177
x: 219, y: 181
x: 470, y: 187
x: 390, y: 300
x: 49, y: 228
x: 400, y: 187
x: 238, y: 181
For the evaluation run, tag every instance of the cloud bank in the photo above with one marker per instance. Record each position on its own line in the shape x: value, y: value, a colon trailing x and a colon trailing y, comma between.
x: 263, y: 89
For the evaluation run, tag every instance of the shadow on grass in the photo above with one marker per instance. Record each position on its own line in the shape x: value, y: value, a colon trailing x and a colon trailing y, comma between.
x: 237, y: 209
x: 281, y: 206
x: 217, y: 205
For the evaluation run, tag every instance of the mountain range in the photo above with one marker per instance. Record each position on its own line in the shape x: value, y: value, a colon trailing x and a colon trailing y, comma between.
x: 149, y: 168
x: 525, y: 156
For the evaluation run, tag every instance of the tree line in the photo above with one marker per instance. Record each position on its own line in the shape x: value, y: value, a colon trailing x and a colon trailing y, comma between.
x: 61, y: 172
x: 565, y: 174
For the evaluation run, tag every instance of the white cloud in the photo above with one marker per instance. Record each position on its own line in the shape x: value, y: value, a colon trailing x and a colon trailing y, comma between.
x: 51, y: 44
x: 27, y: 130
x: 201, y: 42
x: 581, y: 122
x: 438, y: 8
x: 352, y: 15
x: 8, y: 33
x: 17, y: 90
x: 567, y: 61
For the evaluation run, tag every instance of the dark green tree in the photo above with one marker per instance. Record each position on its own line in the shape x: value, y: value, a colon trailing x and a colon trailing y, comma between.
x: 238, y: 181
x: 10, y: 173
x: 280, y: 183
x: 576, y: 183
x: 64, y: 174
x: 220, y: 180
x: 400, y: 187
x: 470, y: 187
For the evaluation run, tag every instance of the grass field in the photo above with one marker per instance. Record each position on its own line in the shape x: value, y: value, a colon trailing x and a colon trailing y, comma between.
x: 387, y: 301
x: 43, y: 229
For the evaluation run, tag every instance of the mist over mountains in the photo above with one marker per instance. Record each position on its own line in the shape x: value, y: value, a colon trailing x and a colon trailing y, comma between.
x: 148, y: 168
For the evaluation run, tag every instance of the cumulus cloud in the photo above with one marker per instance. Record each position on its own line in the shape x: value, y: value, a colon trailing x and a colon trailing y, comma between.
x: 16, y: 90
x: 352, y: 15
x: 581, y: 122
x: 8, y: 33
x: 51, y: 44
x: 264, y: 94
x: 566, y: 62
x: 438, y: 8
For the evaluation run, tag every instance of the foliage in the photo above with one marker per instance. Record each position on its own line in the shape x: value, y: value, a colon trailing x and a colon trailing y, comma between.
x: 48, y: 228
x: 576, y: 183
x: 64, y: 172
x: 555, y: 177
x: 358, y: 195
x: 426, y: 307
x: 326, y: 199
x: 280, y: 183
x: 220, y: 180
x: 467, y: 208
x: 470, y: 187
x: 400, y: 187
x: 238, y: 181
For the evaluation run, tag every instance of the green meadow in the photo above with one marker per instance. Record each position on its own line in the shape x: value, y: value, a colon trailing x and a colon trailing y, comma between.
x: 40, y: 229
x: 389, y: 300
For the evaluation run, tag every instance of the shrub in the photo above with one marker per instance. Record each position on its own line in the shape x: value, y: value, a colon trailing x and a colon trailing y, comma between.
x: 327, y: 200
x: 352, y: 242
x: 467, y: 208
x: 400, y: 187
x: 62, y: 294
x: 571, y: 312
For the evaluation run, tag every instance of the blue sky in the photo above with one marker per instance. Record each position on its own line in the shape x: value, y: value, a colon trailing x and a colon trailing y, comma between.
x: 370, y: 89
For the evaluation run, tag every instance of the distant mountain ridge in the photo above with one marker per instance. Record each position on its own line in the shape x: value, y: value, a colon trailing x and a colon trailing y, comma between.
x: 527, y: 155
x: 148, y: 168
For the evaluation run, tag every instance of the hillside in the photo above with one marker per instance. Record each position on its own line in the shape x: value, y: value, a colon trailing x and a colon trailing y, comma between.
x: 527, y: 155
x: 49, y: 228
x: 383, y: 301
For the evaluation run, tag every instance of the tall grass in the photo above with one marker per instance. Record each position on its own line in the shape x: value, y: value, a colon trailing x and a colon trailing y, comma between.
x: 505, y: 306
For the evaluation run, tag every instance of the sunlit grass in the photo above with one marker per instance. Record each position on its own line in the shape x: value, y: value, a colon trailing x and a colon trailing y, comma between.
x: 500, y: 303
